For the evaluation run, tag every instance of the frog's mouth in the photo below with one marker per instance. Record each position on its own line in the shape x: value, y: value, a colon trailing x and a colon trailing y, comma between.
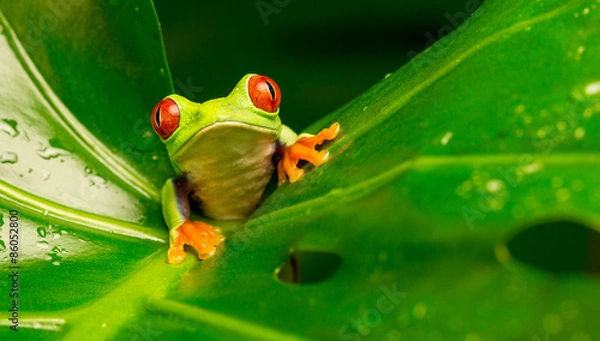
x: 225, y: 135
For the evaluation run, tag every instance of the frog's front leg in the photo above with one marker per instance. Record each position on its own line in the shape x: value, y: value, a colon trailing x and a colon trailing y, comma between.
x: 296, y: 148
x: 176, y: 212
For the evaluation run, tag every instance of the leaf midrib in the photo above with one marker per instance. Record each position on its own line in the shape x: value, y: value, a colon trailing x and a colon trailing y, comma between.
x: 343, y: 196
x: 53, y: 212
x: 78, y: 132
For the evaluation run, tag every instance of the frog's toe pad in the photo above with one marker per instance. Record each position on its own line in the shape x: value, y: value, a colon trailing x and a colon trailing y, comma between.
x: 305, y: 149
x: 201, y: 236
x: 326, y: 134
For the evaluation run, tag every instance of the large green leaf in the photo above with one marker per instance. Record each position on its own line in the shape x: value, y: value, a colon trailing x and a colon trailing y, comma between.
x: 461, y: 200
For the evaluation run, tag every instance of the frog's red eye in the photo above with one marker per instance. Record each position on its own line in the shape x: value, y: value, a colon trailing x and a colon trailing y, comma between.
x: 264, y: 93
x: 165, y: 118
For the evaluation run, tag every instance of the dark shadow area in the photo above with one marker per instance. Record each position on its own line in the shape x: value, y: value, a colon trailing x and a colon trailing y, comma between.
x: 306, y: 267
x: 560, y: 247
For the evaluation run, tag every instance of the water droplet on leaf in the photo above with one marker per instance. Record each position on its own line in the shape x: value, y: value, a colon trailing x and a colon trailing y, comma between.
x: 45, y: 175
x: 41, y: 231
x: 9, y: 127
x: 444, y: 141
x: 48, y: 153
x: 42, y: 244
x: 579, y: 133
x: 9, y: 157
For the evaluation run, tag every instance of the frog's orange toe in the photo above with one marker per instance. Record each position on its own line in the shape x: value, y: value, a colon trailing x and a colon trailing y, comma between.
x: 326, y: 134
x: 304, y: 149
x: 175, y: 256
x: 201, y: 236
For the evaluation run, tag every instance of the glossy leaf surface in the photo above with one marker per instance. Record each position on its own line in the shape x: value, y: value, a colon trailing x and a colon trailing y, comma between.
x: 460, y: 202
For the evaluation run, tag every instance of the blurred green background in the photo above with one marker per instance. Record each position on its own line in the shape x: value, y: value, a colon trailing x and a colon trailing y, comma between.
x: 322, y: 54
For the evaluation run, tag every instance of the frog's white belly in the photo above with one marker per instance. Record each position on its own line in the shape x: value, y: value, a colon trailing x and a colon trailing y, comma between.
x: 228, y: 165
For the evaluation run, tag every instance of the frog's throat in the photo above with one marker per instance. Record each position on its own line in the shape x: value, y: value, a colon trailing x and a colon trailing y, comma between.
x: 221, y: 124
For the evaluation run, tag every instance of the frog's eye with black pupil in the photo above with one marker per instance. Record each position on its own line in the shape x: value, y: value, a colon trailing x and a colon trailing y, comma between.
x: 264, y: 93
x: 165, y: 118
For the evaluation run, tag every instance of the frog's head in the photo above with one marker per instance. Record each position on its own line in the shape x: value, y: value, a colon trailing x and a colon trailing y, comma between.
x: 254, y: 101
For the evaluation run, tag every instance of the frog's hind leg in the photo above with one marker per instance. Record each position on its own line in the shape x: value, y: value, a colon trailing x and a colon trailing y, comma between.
x: 176, y: 211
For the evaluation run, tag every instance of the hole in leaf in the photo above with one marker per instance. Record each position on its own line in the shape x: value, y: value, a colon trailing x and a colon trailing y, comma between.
x: 559, y: 246
x: 305, y: 267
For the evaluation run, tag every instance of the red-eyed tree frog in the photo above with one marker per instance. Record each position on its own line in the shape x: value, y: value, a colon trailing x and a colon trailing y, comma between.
x: 223, y: 154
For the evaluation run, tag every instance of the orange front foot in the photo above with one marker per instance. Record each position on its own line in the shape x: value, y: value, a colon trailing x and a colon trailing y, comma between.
x: 201, y: 236
x: 304, y: 149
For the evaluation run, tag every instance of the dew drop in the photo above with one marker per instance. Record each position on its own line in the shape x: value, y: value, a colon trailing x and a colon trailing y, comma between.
x: 520, y: 109
x: 45, y: 175
x: 561, y: 125
x: 579, y: 133
x: 9, y: 157
x: 45, y: 213
x: 419, y: 310
x: 444, y: 141
x: 541, y: 133
x: 495, y: 186
x: 592, y: 89
x: 519, y: 132
x: 553, y: 323
x: 42, y: 244
x: 154, y: 157
x: 98, y: 179
x: 9, y: 127
x: 563, y: 194
x: 41, y: 231
x: 387, y: 75
x: 48, y: 153
x: 88, y: 170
